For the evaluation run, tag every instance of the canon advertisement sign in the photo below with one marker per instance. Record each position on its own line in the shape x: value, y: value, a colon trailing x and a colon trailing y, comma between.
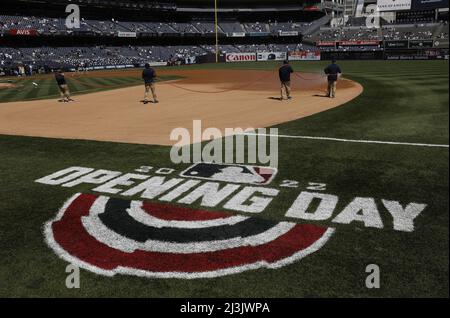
x: 241, y: 57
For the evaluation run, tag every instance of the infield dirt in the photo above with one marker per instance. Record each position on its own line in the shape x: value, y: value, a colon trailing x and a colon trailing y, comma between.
x: 220, y: 98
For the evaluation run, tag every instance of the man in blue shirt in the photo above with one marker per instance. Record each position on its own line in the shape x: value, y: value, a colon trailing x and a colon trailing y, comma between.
x: 333, y: 71
x: 149, y: 75
x: 285, y: 78
x: 63, y: 87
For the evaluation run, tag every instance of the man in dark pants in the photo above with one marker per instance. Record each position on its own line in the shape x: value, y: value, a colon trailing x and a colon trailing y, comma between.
x: 333, y: 71
x: 149, y: 75
x: 285, y: 78
x: 63, y: 87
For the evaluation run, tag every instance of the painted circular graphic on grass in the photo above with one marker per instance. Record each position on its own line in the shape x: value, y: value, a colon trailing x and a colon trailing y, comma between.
x: 111, y: 236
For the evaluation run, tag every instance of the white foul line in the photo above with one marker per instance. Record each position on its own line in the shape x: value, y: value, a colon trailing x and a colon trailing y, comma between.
x: 352, y: 140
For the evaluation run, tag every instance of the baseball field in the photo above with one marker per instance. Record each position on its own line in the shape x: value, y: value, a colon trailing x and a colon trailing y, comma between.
x: 377, y: 154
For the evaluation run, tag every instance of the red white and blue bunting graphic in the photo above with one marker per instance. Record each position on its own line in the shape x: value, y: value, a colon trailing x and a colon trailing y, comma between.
x: 111, y: 236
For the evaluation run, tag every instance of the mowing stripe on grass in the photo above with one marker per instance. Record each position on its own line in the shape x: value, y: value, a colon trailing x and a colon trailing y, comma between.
x: 50, y: 88
x: 76, y: 87
x: 352, y: 140
x: 27, y: 91
x: 84, y: 91
x: 79, y: 85
x: 111, y: 81
x: 7, y: 92
x: 105, y: 81
x: 102, y: 82
x: 122, y: 80
x: 91, y: 82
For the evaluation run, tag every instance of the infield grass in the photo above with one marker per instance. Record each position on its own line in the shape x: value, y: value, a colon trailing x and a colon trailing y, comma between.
x: 44, y: 87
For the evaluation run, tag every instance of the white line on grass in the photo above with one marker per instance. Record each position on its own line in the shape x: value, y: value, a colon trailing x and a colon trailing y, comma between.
x: 352, y: 140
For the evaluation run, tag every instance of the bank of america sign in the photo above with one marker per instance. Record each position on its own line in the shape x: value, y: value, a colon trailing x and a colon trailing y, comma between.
x: 393, y: 5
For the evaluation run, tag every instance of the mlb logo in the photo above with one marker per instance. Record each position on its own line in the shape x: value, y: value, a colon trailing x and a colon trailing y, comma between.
x: 231, y: 173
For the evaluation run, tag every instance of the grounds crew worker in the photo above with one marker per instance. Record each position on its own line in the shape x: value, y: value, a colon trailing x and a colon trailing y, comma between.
x: 285, y: 78
x: 63, y: 88
x: 149, y: 75
x: 333, y: 71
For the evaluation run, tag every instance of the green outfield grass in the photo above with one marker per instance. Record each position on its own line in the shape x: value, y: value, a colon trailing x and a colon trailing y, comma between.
x: 403, y: 101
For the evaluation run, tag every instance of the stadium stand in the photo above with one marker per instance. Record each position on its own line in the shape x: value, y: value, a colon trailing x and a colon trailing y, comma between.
x: 387, y: 32
x: 99, y: 56
x: 408, y: 26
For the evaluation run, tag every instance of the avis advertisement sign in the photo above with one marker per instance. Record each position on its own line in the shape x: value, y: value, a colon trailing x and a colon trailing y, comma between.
x: 272, y: 56
x: 240, y: 57
x: 26, y: 32
x: 304, y: 56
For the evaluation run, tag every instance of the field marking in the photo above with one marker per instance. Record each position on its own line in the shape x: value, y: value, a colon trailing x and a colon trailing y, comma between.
x: 352, y: 140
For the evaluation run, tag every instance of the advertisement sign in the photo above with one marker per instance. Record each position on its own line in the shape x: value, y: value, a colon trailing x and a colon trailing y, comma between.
x: 361, y: 55
x: 158, y: 63
x: 26, y: 32
x: 311, y: 8
x: 272, y: 56
x: 237, y: 34
x: 326, y: 43
x: 396, y: 44
x: 288, y: 33
x: 148, y: 34
x: 420, y: 44
x: 240, y: 57
x: 358, y: 43
x: 414, y: 57
x: 304, y: 56
x: 393, y: 5
x: 122, y: 34
x: 259, y: 34
x: 428, y: 4
x: 441, y: 43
